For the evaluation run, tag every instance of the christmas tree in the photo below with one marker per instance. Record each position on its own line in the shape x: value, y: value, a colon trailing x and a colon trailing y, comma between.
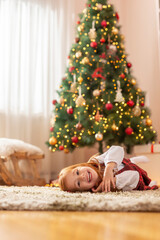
x: 99, y: 100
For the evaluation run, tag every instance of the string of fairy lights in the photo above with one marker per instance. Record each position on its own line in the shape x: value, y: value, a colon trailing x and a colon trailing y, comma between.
x: 98, y: 93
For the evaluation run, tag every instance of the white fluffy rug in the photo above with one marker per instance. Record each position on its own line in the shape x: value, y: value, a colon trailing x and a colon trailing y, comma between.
x: 47, y: 198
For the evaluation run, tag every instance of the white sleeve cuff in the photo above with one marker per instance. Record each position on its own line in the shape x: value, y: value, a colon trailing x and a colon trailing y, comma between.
x: 114, y: 154
x: 127, y: 180
x: 139, y: 159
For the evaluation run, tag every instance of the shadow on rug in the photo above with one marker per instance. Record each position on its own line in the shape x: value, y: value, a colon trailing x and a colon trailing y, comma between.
x: 47, y: 198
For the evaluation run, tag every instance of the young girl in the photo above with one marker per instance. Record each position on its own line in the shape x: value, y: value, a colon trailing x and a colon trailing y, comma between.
x: 107, y: 172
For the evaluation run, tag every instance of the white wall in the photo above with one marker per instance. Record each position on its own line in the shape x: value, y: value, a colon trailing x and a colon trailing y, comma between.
x: 138, y: 19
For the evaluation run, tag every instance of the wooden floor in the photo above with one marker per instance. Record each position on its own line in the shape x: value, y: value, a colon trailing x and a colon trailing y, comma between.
x: 79, y: 226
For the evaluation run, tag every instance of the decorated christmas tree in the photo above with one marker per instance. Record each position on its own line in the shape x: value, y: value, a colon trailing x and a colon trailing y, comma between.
x: 99, y: 100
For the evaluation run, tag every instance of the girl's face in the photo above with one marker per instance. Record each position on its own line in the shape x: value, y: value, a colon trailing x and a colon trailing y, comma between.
x: 81, y: 179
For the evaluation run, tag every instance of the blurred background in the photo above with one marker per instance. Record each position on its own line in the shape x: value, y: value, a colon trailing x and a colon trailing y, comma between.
x: 36, y: 36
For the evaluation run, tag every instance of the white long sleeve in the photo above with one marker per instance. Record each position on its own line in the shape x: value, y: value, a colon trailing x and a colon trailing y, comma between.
x: 139, y: 159
x: 114, y: 154
x: 127, y: 180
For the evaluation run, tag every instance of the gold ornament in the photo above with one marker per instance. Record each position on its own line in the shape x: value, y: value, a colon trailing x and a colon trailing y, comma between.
x: 148, y: 122
x: 52, y: 141
x: 66, y: 150
x: 99, y: 136
x: 78, y: 54
x: 61, y: 100
x: 73, y: 87
x: 80, y: 101
x: 126, y: 70
x: 114, y: 127
x: 115, y: 31
x: 80, y: 79
x: 122, y: 45
x: 81, y: 28
x: 133, y: 82
x: 85, y: 60
x: 137, y: 111
x: 96, y: 93
x: 139, y: 90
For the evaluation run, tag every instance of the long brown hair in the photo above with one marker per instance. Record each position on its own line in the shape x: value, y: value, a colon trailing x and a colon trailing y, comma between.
x: 62, y: 176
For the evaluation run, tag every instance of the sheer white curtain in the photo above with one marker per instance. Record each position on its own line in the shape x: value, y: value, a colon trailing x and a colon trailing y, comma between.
x: 35, y: 38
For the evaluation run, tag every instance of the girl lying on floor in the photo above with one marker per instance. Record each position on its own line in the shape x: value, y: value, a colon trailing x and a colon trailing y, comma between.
x: 107, y: 172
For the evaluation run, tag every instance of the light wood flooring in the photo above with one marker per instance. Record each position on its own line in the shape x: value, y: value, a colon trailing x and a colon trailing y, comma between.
x: 79, y: 225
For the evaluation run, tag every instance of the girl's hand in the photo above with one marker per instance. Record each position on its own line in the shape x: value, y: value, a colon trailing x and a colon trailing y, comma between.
x: 98, y: 189
x: 108, y: 179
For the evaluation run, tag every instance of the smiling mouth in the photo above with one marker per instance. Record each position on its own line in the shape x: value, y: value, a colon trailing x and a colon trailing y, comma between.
x: 89, y: 177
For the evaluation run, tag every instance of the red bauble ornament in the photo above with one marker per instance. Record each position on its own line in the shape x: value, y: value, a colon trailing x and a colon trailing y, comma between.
x: 117, y: 16
x: 102, y: 40
x: 75, y: 139
x: 77, y: 40
x: 103, y: 55
x: 129, y: 65
x: 71, y: 69
x: 122, y: 75
x: 94, y: 44
x: 79, y: 126
x: 54, y: 102
x: 130, y: 103
x: 129, y: 131
x: 70, y: 110
x: 61, y: 147
x: 51, y: 129
x: 109, y: 106
x: 142, y: 104
x: 104, y: 23
x: 78, y: 22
